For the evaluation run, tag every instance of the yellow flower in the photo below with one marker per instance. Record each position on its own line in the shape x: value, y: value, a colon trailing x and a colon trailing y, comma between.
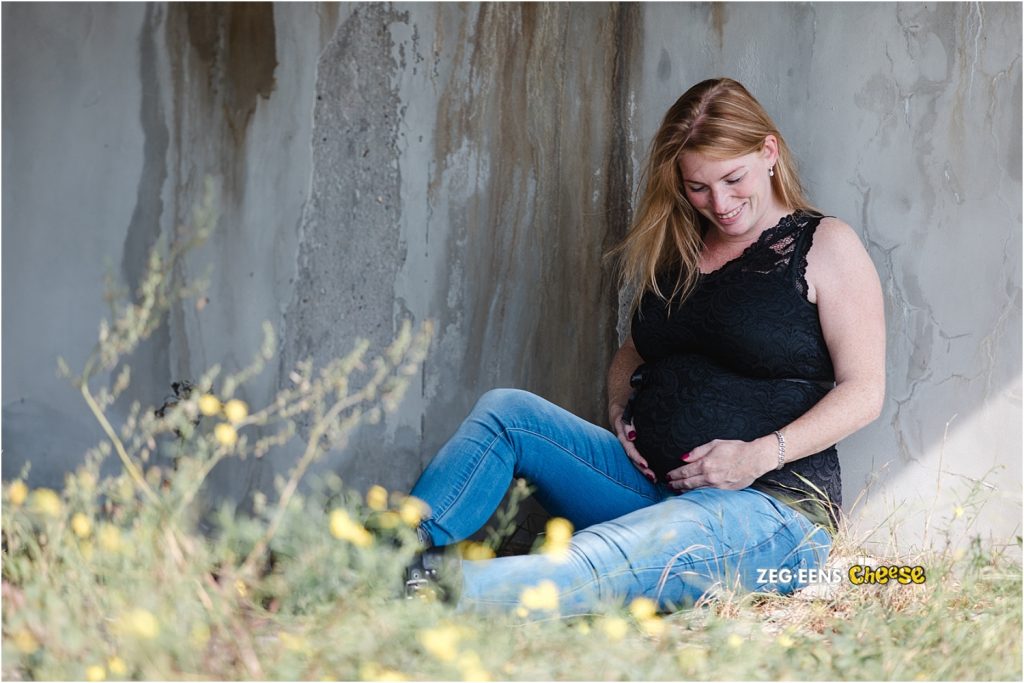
x: 81, y: 525
x: 377, y: 498
x: 225, y: 434
x: 784, y: 641
x: 110, y: 538
x: 295, y: 643
x: 645, y: 611
x: 209, y: 405
x: 471, y: 668
x: 236, y: 410
x: 140, y: 623
x: 241, y: 588
x: 558, y: 529
x: 691, y: 657
x: 18, y: 492
x: 442, y: 642
x: 25, y: 642
x: 958, y: 512
x: 654, y: 627
x: 543, y: 596
x: 372, y: 671
x: 614, y: 628
x: 199, y: 635
x: 471, y: 550
x: 412, y: 511
x: 643, y: 608
x: 46, y: 502
x: 86, y: 480
x: 345, y: 528
x: 583, y: 628
x: 117, y: 666
x: 734, y: 641
x: 477, y: 673
x: 95, y: 673
x: 388, y: 520
x: 557, y: 535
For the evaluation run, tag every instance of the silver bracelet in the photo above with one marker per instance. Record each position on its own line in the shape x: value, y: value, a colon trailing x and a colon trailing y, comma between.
x: 782, y: 448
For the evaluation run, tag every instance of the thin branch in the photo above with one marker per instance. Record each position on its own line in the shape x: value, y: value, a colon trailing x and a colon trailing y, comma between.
x: 126, y: 459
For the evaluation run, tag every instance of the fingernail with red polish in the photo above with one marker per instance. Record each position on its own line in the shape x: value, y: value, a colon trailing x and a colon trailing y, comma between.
x: 684, y: 456
x: 630, y: 435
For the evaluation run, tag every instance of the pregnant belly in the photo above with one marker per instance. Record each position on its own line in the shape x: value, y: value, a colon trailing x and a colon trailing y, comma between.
x: 687, y: 400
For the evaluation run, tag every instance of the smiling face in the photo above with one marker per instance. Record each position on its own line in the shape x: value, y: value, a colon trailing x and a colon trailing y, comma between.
x: 735, y: 195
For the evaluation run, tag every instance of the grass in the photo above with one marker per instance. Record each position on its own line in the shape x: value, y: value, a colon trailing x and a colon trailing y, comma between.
x: 132, y: 577
x: 110, y: 600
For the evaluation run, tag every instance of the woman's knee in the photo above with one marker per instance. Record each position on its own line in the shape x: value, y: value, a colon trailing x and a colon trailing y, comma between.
x: 505, y: 404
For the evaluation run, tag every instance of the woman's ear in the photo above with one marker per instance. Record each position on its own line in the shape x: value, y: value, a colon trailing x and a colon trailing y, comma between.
x: 770, y: 149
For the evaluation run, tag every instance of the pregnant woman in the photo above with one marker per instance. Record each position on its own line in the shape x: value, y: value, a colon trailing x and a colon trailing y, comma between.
x: 757, y: 343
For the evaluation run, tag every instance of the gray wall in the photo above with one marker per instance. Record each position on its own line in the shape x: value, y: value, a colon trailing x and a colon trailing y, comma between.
x: 470, y: 164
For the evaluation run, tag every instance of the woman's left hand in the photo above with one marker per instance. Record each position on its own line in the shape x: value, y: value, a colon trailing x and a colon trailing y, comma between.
x: 724, y: 464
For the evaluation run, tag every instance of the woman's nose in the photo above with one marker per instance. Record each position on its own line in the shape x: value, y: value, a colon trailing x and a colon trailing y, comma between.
x: 718, y: 201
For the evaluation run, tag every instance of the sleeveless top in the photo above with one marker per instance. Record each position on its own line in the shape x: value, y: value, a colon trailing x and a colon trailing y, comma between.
x: 743, y: 355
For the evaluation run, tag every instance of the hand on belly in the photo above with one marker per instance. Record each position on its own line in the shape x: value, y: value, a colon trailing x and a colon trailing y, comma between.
x: 687, y: 401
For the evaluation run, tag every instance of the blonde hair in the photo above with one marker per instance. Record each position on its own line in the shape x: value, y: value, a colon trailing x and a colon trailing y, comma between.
x: 717, y: 118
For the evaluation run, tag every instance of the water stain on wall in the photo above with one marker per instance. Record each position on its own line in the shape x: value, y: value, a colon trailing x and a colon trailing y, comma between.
x: 235, y: 42
x: 223, y: 59
x: 719, y: 16
x: 540, y: 102
x: 150, y: 361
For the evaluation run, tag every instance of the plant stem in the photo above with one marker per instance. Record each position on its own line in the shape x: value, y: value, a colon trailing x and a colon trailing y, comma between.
x: 312, y: 451
x: 130, y: 466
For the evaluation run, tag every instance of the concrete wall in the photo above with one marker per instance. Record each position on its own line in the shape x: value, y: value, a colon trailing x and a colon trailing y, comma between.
x: 470, y: 164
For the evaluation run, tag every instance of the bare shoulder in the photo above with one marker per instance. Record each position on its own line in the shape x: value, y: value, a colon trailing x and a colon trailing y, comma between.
x: 834, y: 244
x: 834, y: 237
x: 837, y: 258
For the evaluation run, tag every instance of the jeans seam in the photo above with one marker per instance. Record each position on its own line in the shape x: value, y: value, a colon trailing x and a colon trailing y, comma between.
x: 580, y: 460
x: 436, y: 518
x: 505, y: 431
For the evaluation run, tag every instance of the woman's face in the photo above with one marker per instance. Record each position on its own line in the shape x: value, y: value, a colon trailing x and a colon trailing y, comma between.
x: 735, y: 195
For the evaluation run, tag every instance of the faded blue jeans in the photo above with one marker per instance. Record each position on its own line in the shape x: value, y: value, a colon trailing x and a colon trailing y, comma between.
x: 634, y: 538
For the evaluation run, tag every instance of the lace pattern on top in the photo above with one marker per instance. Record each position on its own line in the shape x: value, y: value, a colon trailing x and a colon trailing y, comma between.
x: 734, y: 347
x: 774, y: 249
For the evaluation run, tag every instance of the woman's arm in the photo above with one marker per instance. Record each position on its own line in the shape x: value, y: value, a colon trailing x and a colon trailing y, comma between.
x: 843, y: 282
x: 624, y: 362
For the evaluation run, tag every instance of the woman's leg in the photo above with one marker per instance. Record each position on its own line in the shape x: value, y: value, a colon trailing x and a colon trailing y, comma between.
x: 579, y: 470
x: 673, y: 552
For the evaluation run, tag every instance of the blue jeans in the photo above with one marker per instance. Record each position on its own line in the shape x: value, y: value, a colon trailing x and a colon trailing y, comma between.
x: 634, y: 538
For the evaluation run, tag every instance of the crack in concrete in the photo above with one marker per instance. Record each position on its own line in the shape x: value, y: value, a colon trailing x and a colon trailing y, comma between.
x: 975, y: 11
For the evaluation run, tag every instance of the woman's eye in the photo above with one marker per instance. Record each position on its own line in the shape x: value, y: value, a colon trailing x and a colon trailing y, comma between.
x: 733, y: 181
x: 697, y: 189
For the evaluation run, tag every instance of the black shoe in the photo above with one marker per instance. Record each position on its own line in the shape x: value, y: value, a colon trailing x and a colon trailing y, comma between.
x: 435, y: 574
x: 423, y: 576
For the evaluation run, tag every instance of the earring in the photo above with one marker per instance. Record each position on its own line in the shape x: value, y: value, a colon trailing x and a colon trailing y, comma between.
x: 771, y: 171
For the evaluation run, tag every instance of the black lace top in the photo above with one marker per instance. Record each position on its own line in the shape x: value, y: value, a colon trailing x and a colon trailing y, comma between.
x: 742, y: 356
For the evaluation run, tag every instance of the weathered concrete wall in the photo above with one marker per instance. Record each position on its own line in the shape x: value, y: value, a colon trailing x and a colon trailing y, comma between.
x: 467, y: 170
x: 470, y: 164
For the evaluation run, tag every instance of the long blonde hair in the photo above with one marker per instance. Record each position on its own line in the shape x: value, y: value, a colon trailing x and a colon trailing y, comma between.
x: 718, y: 118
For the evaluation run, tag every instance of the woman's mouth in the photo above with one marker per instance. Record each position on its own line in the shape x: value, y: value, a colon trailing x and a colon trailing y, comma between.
x: 730, y: 216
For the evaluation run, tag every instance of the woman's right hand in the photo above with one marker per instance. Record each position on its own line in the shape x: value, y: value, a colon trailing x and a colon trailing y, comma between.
x: 627, y: 434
